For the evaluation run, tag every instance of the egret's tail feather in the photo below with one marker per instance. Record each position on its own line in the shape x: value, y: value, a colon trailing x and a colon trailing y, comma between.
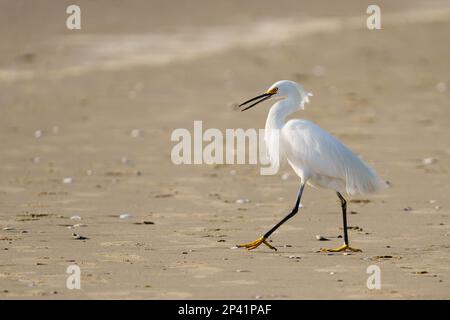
x: 368, y: 182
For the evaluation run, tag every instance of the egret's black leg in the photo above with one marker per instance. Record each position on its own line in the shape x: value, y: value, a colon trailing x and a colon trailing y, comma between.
x: 344, y: 217
x: 346, y: 245
x: 257, y: 242
x: 290, y: 215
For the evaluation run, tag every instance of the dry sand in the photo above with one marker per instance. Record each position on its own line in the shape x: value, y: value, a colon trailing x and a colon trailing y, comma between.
x: 160, y: 65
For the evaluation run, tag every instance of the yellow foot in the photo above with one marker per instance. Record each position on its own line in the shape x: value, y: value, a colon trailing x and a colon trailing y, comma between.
x: 344, y: 247
x: 255, y: 244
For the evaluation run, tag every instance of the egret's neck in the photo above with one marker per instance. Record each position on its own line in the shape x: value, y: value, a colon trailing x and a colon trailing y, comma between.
x: 275, y: 122
x: 279, y: 111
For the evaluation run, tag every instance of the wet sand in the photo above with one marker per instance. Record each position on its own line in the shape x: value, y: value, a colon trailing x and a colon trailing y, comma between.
x: 99, y: 105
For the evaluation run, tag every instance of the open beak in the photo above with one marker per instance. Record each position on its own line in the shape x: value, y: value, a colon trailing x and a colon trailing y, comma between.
x: 261, y: 98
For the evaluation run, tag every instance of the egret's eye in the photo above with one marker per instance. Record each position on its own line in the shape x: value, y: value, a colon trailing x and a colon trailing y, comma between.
x: 273, y: 90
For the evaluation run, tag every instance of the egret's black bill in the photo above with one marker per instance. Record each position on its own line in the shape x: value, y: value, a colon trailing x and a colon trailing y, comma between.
x: 262, y: 97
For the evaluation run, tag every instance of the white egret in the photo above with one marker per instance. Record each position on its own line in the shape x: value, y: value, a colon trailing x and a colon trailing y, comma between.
x: 317, y: 157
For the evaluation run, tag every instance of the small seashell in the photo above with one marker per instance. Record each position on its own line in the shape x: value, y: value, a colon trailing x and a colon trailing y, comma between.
x: 78, y: 237
x: 75, y: 218
x: 242, y: 201
x: 8, y: 228
x: 38, y: 134
x: 67, y: 180
x: 332, y: 272
x: 428, y: 161
x: 407, y: 209
x: 241, y: 270
x: 135, y: 133
x: 321, y: 238
x: 294, y: 257
x: 124, y: 216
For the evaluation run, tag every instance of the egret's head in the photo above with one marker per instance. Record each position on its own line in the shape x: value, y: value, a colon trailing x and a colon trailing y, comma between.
x: 282, y: 89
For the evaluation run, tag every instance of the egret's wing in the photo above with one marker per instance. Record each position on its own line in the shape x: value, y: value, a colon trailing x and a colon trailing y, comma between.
x: 319, y: 153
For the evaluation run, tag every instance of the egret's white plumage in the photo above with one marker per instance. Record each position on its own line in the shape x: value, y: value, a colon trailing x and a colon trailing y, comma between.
x: 316, y: 156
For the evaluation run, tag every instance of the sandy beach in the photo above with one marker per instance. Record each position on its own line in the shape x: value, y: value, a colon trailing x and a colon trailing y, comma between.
x: 86, y: 118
